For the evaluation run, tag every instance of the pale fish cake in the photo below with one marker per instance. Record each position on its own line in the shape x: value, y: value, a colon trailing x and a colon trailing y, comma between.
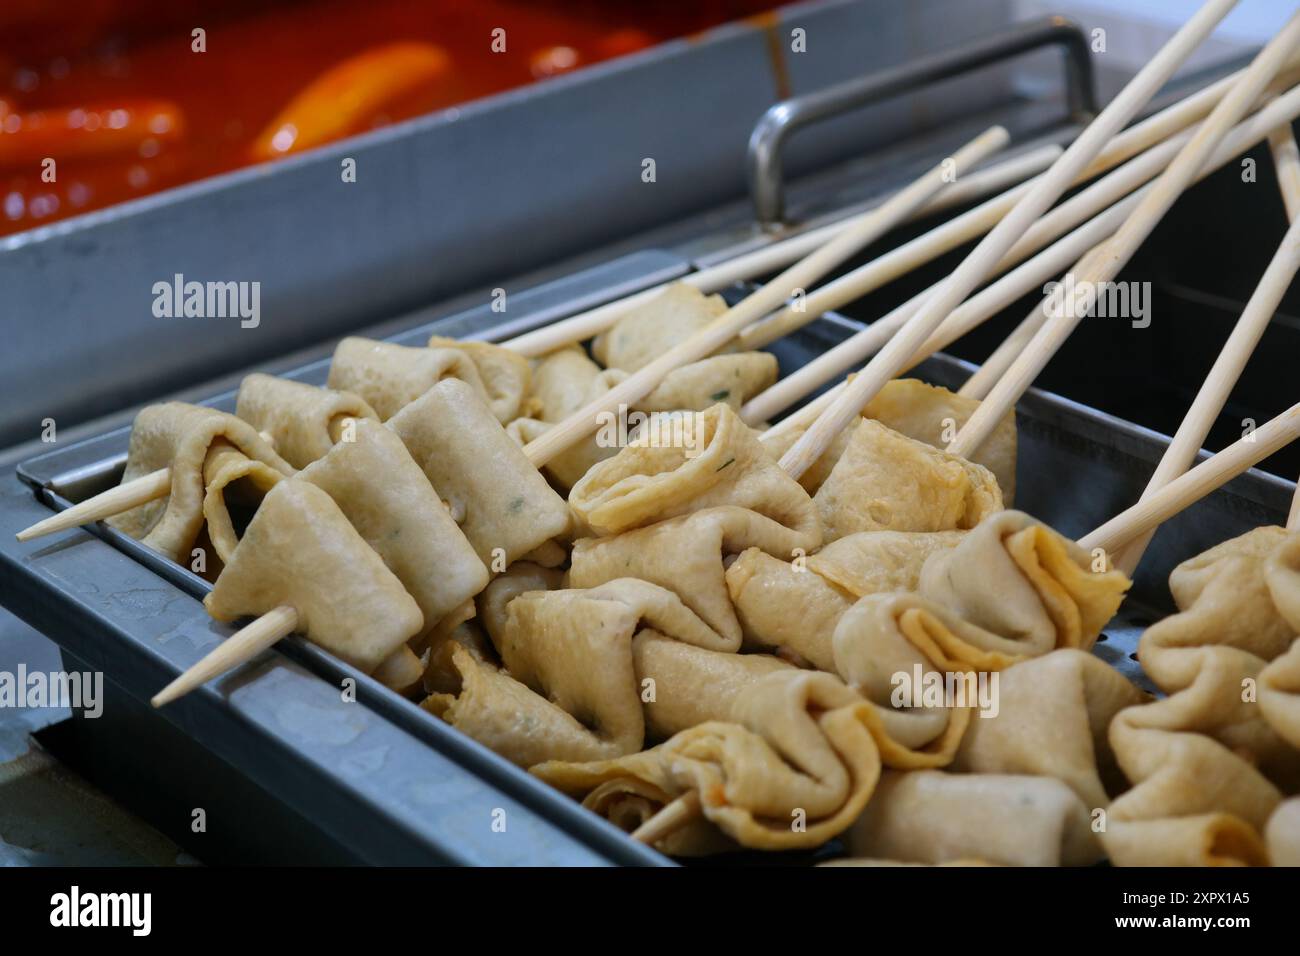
x: 179, y: 436
x: 300, y: 551
x: 885, y: 481
x: 302, y: 420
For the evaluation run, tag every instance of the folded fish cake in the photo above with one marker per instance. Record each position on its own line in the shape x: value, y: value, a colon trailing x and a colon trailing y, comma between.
x: 687, y: 555
x: 787, y: 747
x: 886, y: 481
x: 226, y: 469
x: 504, y: 505
x: 505, y: 374
x: 300, y: 551
x: 794, y: 606
x: 651, y: 480
x: 876, y: 562
x: 389, y: 500
x: 785, y: 608
x: 566, y: 380
x: 179, y: 436
x: 490, y: 706
x: 1051, y: 720
x: 390, y: 377
x: 731, y: 380
x: 648, y: 330
x: 303, y: 421
x: 928, y: 413
x: 934, y: 415
x: 575, y: 647
x: 1015, y: 577
x: 1209, y: 763
x: 929, y: 816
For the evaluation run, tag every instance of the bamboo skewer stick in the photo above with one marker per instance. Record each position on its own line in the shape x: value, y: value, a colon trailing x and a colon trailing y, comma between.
x: 718, y: 333
x: 1227, y: 369
x: 1046, y: 265
x: 1286, y: 162
x: 240, y: 647
x: 106, y: 504
x: 1104, y: 262
x: 1191, y: 486
x: 778, y: 255
x: 114, y: 501
x: 805, y: 416
x: 899, y: 350
x: 1286, y: 159
x: 881, y: 271
x: 995, y: 366
x: 671, y: 818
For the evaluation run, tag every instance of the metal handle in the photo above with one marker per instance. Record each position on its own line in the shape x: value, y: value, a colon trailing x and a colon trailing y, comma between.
x: 782, y: 119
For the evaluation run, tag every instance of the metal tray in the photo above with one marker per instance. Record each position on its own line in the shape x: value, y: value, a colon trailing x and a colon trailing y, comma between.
x: 381, y: 780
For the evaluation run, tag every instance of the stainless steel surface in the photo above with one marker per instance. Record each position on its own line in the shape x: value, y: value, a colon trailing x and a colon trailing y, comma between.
x: 774, y: 130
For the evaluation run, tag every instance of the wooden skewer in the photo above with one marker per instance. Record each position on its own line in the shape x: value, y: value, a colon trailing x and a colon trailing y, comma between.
x: 882, y: 270
x: 1286, y: 158
x: 778, y: 255
x: 1286, y: 161
x: 640, y: 383
x: 995, y: 366
x: 1192, y: 486
x: 1282, y: 109
x: 976, y: 266
x: 671, y: 818
x: 805, y: 416
x: 976, y: 310
x: 114, y: 501
x: 1104, y: 262
x: 242, y: 646
x: 1227, y: 368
